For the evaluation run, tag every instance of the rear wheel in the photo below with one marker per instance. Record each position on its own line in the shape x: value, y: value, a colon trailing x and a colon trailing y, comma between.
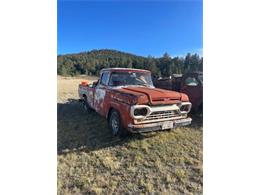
x: 85, y: 104
x: 116, y: 125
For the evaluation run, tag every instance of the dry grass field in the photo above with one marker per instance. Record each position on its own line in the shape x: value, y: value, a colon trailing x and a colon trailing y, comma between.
x: 92, y: 161
x: 68, y: 86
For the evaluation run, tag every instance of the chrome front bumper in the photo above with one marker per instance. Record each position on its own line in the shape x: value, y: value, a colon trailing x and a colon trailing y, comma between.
x: 141, y: 128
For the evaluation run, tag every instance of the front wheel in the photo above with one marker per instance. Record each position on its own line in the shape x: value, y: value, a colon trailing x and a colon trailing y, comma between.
x: 116, y: 125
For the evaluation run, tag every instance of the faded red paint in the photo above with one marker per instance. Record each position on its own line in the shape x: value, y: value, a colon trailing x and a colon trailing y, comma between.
x: 103, y: 98
x: 155, y: 96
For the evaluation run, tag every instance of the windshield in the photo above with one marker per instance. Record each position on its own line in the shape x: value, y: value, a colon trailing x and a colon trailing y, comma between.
x: 130, y: 78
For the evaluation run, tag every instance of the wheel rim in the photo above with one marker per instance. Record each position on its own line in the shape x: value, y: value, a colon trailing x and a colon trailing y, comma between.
x: 114, y: 123
x: 85, y: 107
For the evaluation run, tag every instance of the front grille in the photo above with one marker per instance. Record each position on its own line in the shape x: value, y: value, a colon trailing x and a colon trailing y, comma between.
x: 160, y: 116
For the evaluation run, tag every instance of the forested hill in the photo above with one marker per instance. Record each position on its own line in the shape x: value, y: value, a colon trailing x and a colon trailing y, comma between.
x: 92, y: 62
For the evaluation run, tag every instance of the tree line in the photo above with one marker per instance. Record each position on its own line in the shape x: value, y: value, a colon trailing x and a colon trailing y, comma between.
x: 90, y: 63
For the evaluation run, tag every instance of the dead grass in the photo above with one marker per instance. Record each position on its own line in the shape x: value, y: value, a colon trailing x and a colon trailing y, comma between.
x: 68, y: 86
x: 92, y: 161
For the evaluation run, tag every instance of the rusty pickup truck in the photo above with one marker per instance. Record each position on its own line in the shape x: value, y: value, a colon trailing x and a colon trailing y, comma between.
x: 189, y: 83
x: 130, y: 102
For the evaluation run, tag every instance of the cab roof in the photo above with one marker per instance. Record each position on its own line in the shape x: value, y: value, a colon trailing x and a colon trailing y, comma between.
x: 124, y: 70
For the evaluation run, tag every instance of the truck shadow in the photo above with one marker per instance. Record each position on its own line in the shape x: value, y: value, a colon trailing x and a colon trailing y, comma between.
x: 82, y: 131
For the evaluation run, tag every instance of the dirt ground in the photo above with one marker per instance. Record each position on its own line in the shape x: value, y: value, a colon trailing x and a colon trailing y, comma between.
x: 92, y: 161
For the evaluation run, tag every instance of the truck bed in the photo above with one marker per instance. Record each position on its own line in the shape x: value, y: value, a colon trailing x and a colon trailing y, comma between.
x: 173, y: 84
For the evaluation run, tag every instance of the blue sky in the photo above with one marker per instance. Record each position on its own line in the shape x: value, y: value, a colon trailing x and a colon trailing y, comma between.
x: 139, y: 27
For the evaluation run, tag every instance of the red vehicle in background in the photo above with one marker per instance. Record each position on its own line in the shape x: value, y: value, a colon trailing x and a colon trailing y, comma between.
x: 189, y: 83
x: 131, y: 103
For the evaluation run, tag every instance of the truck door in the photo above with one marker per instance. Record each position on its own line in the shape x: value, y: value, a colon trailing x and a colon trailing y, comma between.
x: 100, y: 92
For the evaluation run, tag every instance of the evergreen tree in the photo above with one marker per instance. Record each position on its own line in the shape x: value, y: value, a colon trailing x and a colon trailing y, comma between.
x: 93, y: 61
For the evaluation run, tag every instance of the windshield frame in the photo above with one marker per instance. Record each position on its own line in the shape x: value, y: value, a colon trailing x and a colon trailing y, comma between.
x: 130, y: 72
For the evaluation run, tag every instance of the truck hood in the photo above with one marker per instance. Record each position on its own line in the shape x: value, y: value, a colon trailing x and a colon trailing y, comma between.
x: 153, y: 96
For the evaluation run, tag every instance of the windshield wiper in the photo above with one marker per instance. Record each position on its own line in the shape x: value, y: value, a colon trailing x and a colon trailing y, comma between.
x: 144, y: 84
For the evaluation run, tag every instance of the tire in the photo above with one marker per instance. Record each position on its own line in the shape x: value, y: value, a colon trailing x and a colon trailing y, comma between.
x: 116, y: 125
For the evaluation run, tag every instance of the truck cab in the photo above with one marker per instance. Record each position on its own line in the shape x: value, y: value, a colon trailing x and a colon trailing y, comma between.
x: 131, y: 103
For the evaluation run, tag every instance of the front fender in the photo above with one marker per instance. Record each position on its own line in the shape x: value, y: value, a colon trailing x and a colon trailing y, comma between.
x: 124, y: 111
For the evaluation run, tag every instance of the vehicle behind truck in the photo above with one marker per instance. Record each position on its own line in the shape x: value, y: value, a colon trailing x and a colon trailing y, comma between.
x: 131, y: 103
x: 189, y: 83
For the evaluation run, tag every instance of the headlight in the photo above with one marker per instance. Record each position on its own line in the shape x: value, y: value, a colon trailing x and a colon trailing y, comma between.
x: 140, y: 111
x: 185, y: 107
